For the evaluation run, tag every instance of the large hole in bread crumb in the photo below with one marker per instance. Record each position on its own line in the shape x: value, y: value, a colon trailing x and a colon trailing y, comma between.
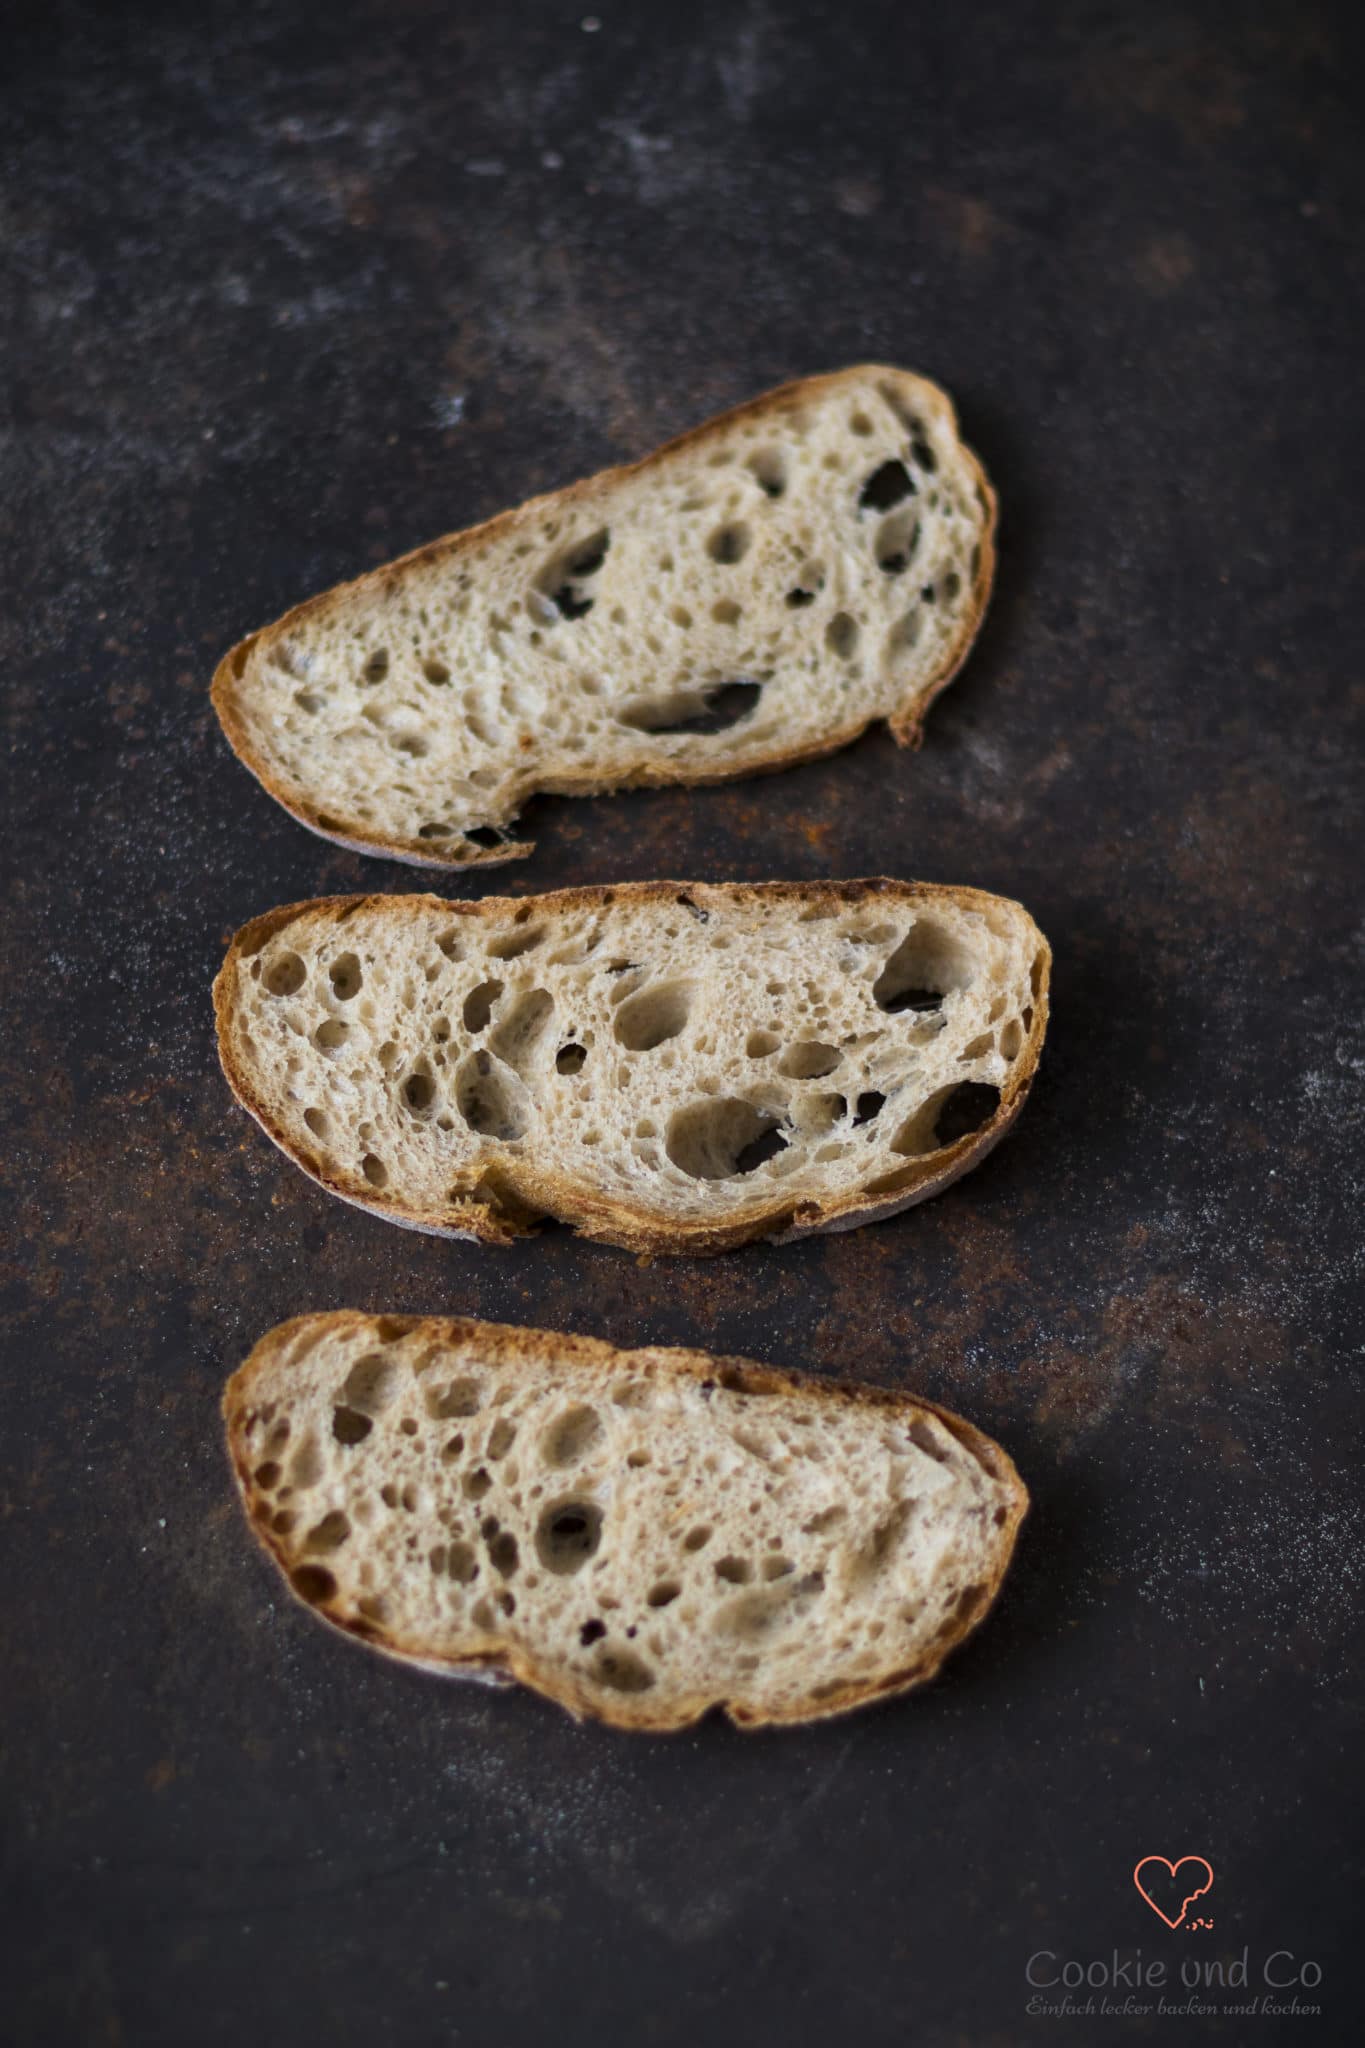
x: 313, y: 1583
x: 419, y: 1093
x: 330, y: 1533
x: 479, y: 1004
x: 841, y: 635
x: 948, y: 1116
x: 285, y: 975
x: 376, y: 667
x: 622, y: 1671
x: 897, y: 539
x: 808, y: 1059
x: 490, y: 1099
x: 716, y: 1138
x: 769, y: 468
x: 888, y: 485
x: 928, y: 964
x: 350, y: 1427
x: 521, y: 1027
x: 570, y: 1059
x: 653, y: 1016
x: 571, y: 1436
x: 561, y: 584
x: 567, y: 1535
x: 729, y: 544
x: 346, y: 977
x: 711, y: 709
x: 371, y: 1384
x: 457, y: 1397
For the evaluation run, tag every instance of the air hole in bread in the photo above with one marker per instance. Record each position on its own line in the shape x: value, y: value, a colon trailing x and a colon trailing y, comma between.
x: 922, y: 452
x: 349, y: 1426
x: 713, y: 708
x: 331, y: 1033
x: 841, y: 635
x: 653, y: 1016
x: 769, y: 469
x: 567, y: 1535
x: 419, y: 1093
x: 317, y: 1122
x: 760, y: 1044
x: 730, y: 543
x: 664, y: 1593
x: 433, y: 829
x: 285, y: 975
x: 371, y: 1384
x: 479, y: 1005
x: 736, y: 1571
x: 313, y: 1583
x: 966, y: 1109
x: 869, y: 1105
x: 562, y: 579
x: 487, y: 1096
x: 346, y: 977
x: 592, y: 1631
x: 486, y: 836
x: 330, y: 1533
x: 501, y: 1437
x: 897, y: 539
x: 622, y: 1671
x: 1011, y: 1039
x: 377, y: 667
x: 726, y: 612
x: 808, y: 1059
x: 503, y: 1553
x: 718, y: 1137
x: 928, y: 964
x: 951, y: 1114
x: 809, y: 583
x: 570, y: 1059
x: 308, y: 700
x: 888, y: 485
x: 571, y: 1436
x: 521, y: 1027
x: 374, y: 1170
x: 456, y: 1397
x: 922, y: 1436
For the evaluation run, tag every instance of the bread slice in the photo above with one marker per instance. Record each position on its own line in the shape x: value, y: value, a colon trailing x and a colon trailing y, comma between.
x: 640, y: 1535
x: 673, y: 1067
x: 748, y: 596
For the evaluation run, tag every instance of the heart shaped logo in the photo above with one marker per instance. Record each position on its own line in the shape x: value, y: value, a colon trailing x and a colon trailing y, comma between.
x: 1179, y: 1884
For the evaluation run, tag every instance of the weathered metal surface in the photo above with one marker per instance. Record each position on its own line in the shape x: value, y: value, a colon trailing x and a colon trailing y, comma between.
x: 294, y: 288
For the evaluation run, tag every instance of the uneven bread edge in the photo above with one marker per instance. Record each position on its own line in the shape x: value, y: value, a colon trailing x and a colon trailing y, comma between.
x: 508, y: 1665
x: 906, y: 724
x: 543, y: 1192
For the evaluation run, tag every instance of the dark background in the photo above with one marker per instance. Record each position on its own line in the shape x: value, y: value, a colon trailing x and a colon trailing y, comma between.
x: 289, y: 289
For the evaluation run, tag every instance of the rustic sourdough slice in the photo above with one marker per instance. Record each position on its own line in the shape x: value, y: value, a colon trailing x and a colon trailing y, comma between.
x: 640, y: 1535
x: 750, y: 595
x: 671, y: 1067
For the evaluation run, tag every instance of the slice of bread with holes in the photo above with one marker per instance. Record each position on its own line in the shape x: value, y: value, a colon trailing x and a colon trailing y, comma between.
x: 672, y: 1067
x: 748, y: 596
x: 639, y: 1535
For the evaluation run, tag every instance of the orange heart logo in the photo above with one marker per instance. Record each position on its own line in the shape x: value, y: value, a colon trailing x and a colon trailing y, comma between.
x: 1184, y: 1889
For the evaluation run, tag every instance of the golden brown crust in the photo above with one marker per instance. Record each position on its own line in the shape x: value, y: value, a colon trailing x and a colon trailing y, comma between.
x: 506, y: 1343
x: 906, y: 725
x: 530, y: 1189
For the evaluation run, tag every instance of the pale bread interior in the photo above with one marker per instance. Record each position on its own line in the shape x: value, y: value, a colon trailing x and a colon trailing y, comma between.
x: 755, y: 593
x: 641, y: 1535
x: 655, y: 1063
